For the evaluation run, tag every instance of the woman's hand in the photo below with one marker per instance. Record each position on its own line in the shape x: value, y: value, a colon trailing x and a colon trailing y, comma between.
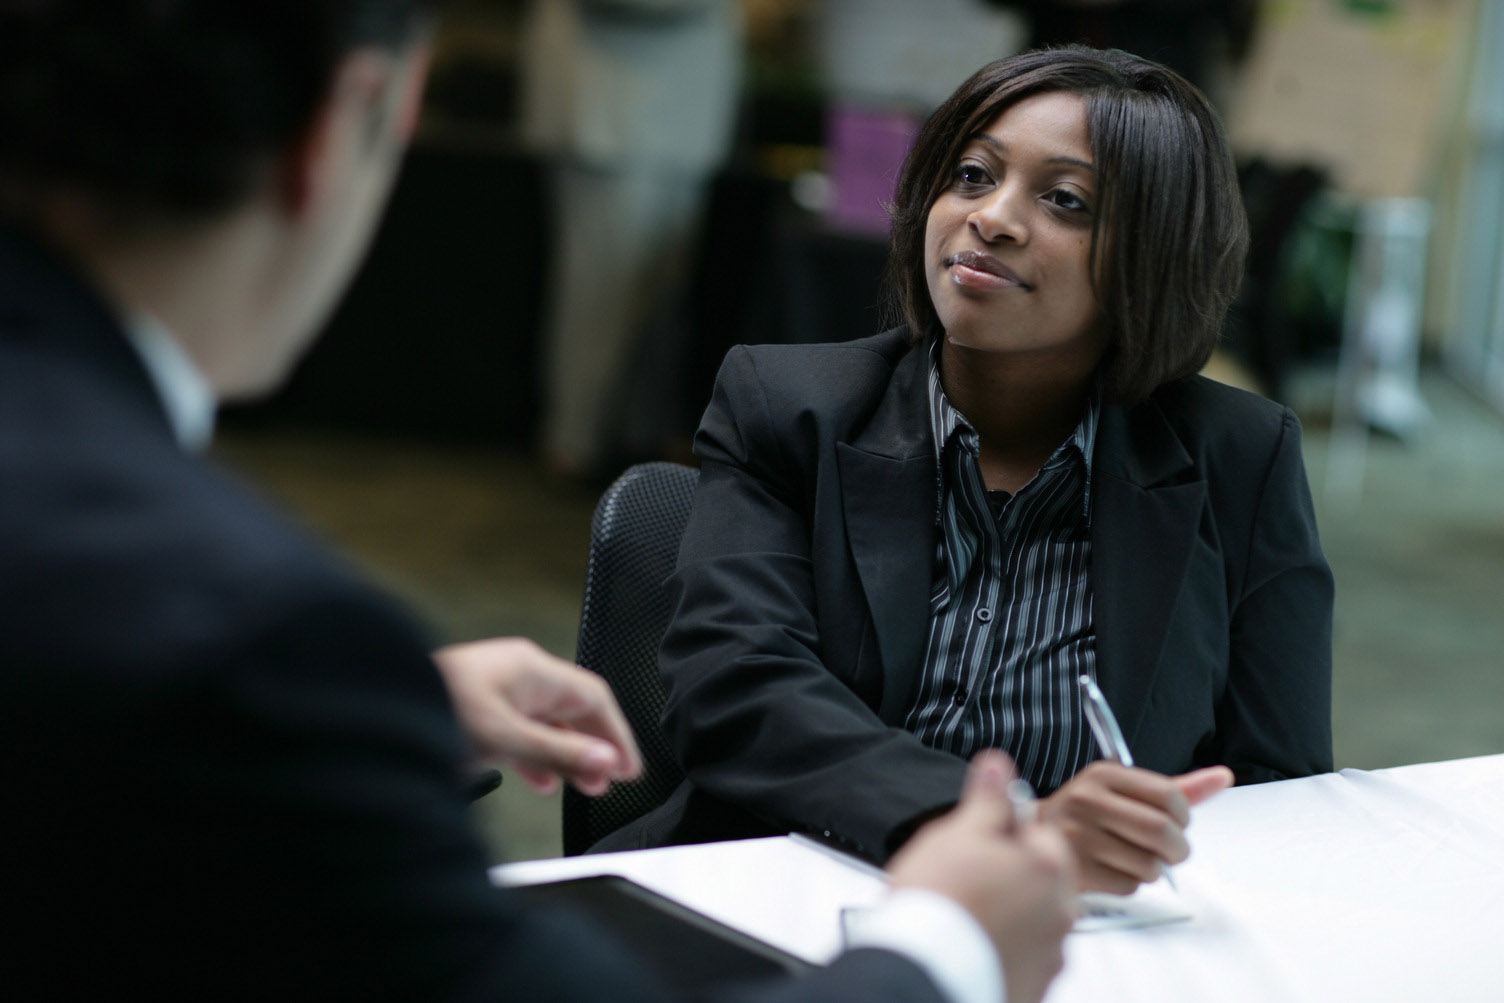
x: 549, y: 718
x: 1125, y: 824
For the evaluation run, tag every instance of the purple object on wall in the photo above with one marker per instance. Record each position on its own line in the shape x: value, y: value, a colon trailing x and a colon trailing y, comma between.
x: 866, y: 147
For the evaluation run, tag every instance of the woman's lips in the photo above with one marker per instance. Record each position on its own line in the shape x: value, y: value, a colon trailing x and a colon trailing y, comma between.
x: 975, y: 270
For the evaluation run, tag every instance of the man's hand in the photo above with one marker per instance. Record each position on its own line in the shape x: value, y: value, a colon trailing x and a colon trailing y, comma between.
x: 1019, y: 884
x: 1125, y: 823
x: 546, y: 716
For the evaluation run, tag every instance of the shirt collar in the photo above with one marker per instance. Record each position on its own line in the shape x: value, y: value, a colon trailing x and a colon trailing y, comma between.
x: 946, y: 421
x: 186, y: 396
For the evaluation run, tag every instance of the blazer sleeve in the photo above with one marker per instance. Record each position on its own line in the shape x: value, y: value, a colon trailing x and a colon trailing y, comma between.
x: 350, y: 794
x: 755, y: 715
x: 339, y: 756
x: 1275, y: 717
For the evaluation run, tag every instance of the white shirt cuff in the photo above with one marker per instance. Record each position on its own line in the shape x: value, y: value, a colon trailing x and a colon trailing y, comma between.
x: 939, y: 936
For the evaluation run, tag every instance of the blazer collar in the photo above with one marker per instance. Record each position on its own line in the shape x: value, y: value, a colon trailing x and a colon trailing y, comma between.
x: 47, y: 305
x: 1147, y: 502
x: 899, y: 428
x: 889, y: 494
x: 1148, y: 498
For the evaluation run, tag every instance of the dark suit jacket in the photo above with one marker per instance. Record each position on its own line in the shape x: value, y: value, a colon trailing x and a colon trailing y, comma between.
x: 803, y: 582
x: 231, y: 768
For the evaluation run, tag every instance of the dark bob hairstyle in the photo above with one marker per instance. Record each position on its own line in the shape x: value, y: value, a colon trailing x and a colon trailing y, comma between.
x: 1170, y: 235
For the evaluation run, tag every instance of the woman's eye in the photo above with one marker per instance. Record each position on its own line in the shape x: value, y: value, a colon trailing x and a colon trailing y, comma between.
x: 972, y: 174
x: 1068, y: 200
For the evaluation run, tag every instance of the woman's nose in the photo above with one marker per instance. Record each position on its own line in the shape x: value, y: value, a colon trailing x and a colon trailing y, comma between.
x: 1001, y: 215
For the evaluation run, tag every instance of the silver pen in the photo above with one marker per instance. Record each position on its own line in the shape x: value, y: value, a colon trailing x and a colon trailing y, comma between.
x: 1025, y: 807
x: 1104, y: 727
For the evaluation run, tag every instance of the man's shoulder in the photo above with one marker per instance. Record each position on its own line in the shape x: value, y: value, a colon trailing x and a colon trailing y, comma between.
x: 125, y: 553
x: 117, y: 548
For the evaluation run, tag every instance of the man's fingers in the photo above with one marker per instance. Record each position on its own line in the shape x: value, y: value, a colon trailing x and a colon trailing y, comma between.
x: 1051, y: 847
x: 584, y: 700
x: 610, y: 725
x: 984, y: 796
x: 988, y: 775
x: 573, y: 755
x: 540, y: 780
x: 520, y: 702
x: 1199, y: 785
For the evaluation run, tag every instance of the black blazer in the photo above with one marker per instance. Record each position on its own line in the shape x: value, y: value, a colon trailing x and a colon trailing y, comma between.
x: 803, y: 581
x: 232, y: 771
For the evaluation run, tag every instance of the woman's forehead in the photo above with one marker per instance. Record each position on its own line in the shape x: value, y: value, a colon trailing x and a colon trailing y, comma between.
x: 1051, y: 123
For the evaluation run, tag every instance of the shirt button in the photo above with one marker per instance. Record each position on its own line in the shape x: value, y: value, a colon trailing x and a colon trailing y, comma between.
x: 960, y: 697
x: 984, y: 614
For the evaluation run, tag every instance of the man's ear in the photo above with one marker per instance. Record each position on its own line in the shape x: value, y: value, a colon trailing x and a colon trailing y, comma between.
x: 372, y: 92
x: 412, y: 79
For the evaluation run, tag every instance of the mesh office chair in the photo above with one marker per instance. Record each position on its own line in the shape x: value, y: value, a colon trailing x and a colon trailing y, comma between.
x: 634, y: 544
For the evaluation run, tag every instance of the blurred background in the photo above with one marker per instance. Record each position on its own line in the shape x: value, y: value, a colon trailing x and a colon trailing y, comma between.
x: 605, y: 195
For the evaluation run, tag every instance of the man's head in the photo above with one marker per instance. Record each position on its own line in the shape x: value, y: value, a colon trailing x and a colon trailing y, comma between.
x: 260, y: 136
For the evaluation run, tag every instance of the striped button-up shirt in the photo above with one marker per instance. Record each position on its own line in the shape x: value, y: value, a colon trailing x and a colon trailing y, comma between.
x: 1010, y: 607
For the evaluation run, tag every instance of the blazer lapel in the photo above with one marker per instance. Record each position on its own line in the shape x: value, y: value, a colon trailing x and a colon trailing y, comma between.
x: 1146, y: 507
x: 888, y: 494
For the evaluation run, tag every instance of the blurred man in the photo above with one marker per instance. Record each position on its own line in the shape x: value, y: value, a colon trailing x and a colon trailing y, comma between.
x: 233, y: 768
x: 632, y: 104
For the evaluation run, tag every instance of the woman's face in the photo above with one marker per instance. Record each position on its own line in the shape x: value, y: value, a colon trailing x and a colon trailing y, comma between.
x: 1007, y: 244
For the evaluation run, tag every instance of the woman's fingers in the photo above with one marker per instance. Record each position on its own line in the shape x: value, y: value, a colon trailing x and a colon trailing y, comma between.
x: 1112, y: 855
x: 1125, y: 824
x: 1145, y: 786
x: 1202, y: 784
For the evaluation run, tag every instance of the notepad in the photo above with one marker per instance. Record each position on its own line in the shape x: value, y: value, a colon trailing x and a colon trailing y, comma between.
x: 1151, y: 905
x: 689, y: 951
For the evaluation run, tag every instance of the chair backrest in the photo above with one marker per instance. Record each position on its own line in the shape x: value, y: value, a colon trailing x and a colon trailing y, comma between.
x: 634, y: 545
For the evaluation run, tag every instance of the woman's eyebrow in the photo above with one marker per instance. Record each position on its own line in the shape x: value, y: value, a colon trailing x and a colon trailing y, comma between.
x: 1000, y: 147
x: 1085, y: 165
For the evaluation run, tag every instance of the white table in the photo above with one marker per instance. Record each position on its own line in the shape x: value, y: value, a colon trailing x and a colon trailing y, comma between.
x: 1352, y: 886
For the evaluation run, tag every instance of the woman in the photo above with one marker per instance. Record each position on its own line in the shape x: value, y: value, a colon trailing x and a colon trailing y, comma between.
x: 907, y: 548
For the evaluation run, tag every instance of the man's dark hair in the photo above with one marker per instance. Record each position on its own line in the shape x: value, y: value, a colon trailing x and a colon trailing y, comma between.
x: 1170, y: 234
x: 169, y: 107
